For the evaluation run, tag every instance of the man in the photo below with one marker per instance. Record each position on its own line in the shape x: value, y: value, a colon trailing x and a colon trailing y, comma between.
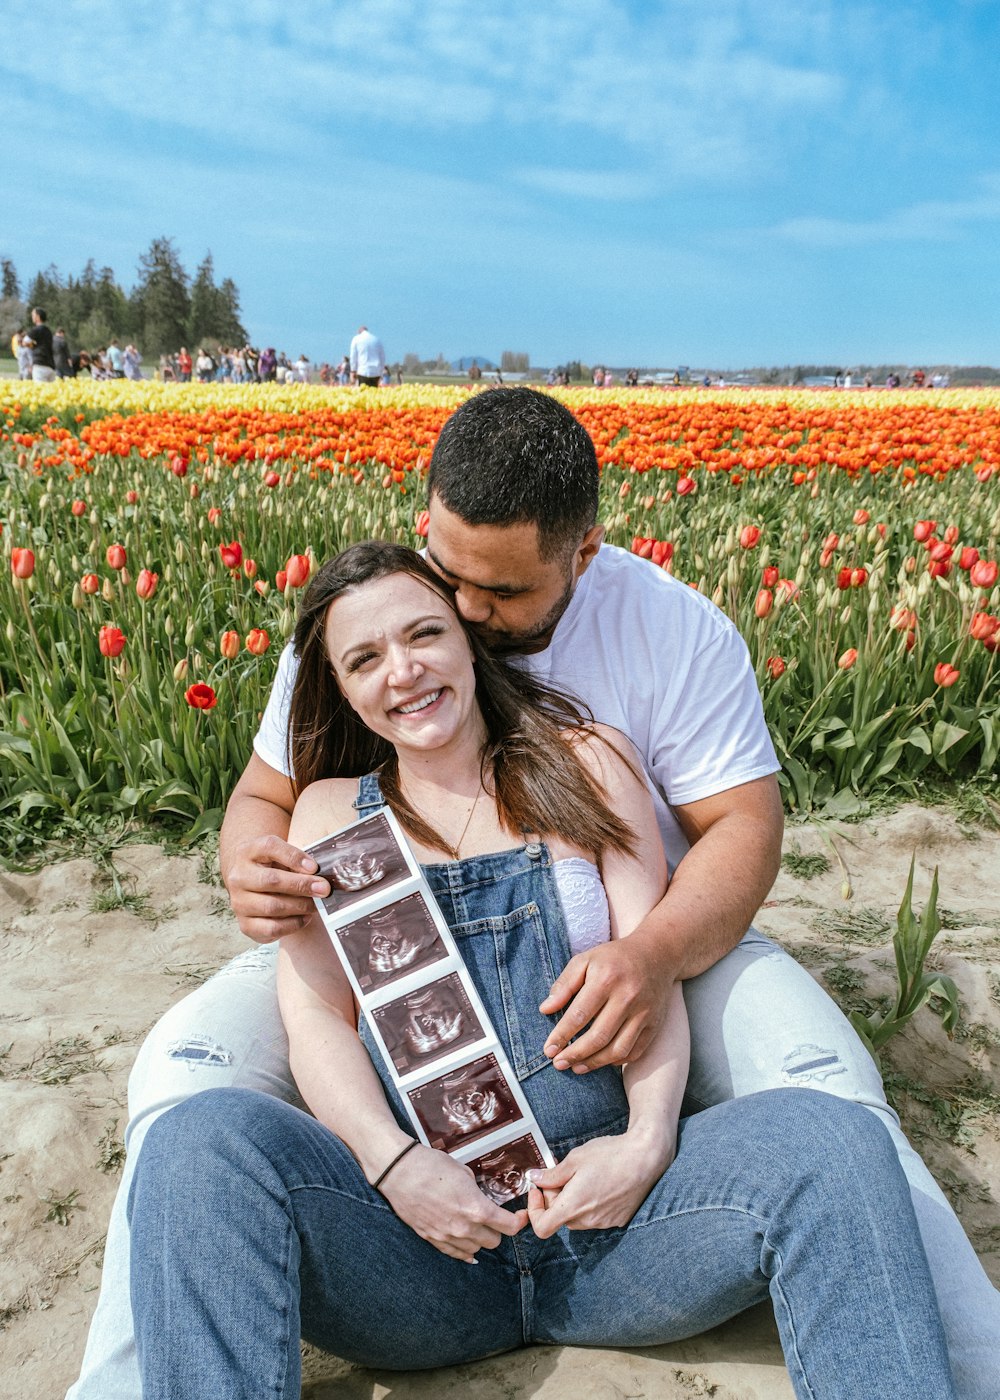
x: 39, y: 339
x: 116, y: 359
x: 367, y: 358
x: 60, y: 354
x: 513, y: 498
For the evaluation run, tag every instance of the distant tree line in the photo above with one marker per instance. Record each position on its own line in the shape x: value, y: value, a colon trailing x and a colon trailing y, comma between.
x: 166, y: 308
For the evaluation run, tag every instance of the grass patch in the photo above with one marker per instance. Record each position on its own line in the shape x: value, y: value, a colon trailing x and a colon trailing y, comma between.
x: 61, y: 1208
x: 805, y: 865
x: 111, y: 1148
x: 61, y: 1062
x: 867, y: 926
x: 957, y: 1114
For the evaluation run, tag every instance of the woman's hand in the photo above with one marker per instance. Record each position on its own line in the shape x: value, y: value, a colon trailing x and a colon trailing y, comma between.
x: 439, y: 1199
x: 598, y: 1186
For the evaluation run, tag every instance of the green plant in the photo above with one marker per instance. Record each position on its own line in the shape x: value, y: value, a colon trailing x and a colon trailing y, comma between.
x: 912, y: 942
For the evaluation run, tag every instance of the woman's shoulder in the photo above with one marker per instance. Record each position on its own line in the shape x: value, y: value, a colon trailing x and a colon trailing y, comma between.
x: 608, y: 755
x: 323, y: 807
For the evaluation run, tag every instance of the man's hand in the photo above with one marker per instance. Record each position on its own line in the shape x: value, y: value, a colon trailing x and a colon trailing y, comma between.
x: 620, y: 990
x: 271, y: 886
x: 598, y: 1186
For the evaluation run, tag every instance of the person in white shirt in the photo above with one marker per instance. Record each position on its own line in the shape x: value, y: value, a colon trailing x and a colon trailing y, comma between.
x: 513, y: 488
x: 367, y: 358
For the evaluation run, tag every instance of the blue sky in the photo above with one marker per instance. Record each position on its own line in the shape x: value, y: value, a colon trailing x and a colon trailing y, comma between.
x: 716, y: 184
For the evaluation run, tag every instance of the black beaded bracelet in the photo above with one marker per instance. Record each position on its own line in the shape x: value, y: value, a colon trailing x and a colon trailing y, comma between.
x: 395, y: 1162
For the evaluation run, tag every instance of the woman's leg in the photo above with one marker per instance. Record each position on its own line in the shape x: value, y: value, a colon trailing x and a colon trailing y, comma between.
x: 252, y: 1224
x: 791, y: 1194
x: 228, y: 1033
x: 759, y: 1021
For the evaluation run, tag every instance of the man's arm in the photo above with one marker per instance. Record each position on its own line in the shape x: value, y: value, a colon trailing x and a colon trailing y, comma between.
x: 620, y: 990
x: 270, y: 883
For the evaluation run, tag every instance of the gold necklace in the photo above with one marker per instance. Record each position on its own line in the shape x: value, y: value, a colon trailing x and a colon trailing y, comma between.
x: 454, y: 850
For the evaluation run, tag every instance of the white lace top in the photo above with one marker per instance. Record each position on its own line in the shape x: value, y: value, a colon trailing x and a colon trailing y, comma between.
x: 584, y: 902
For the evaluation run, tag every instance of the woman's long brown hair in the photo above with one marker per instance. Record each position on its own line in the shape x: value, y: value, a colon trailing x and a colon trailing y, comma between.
x: 539, y: 783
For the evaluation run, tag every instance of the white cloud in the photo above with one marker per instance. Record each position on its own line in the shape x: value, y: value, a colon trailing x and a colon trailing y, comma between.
x: 934, y: 220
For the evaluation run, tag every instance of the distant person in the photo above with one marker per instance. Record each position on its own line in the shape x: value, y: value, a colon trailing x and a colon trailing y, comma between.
x: 132, y: 361
x: 115, y: 359
x: 367, y: 358
x: 386, y: 378
x: 22, y: 353
x: 267, y: 365
x: 39, y: 338
x: 609, y: 379
x: 302, y: 369
x: 204, y: 366
x: 184, y: 366
x: 60, y: 353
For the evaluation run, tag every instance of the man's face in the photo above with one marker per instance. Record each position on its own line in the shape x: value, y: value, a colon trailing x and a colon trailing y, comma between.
x: 502, y: 584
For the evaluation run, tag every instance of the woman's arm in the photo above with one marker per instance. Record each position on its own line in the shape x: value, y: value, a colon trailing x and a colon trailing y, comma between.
x: 433, y: 1194
x: 603, y: 1183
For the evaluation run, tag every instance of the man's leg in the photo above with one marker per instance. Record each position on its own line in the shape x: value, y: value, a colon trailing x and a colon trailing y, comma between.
x: 252, y: 1225
x: 759, y: 1021
x: 785, y: 1193
x: 228, y: 1033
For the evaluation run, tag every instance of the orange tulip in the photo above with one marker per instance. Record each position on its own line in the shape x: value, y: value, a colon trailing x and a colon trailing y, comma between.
x: 764, y: 602
x: 983, y: 573
x: 848, y: 658
x: 22, y: 562
x: 749, y: 536
x: 116, y: 556
x: 79, y: 508
x: 229, y: 645
x: 945, y: 675
x: 90, y: 583
x: 297, y: 570
x: 422, y: 523
x: 257, y: 641
x: 111, y: 641
x: 145, y: 584
x: 775, y: 666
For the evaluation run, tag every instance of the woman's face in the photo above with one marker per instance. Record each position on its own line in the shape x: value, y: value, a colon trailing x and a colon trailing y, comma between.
x: 404, y: 663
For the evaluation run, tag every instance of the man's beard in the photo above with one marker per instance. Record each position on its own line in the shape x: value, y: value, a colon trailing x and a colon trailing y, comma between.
x: 511, y: 643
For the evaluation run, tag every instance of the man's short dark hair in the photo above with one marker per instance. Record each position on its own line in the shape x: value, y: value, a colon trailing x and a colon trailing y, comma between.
x: 37, y: 311
x: 516, y: 456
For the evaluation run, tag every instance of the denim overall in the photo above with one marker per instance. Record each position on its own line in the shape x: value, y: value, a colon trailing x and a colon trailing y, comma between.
x: 505, y: 914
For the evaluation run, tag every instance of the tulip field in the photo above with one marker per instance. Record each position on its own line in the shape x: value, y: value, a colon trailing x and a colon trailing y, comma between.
x: 155, y: 539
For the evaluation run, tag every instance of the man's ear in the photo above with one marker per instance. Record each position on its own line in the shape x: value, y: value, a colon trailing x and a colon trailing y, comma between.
x: 587, y: 550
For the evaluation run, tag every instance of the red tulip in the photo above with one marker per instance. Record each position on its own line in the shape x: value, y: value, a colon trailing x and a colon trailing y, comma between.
x: 951, y: 535
x: 178, y: 466
x: 271, y: 479
x: 749, y: 536
x: 229, y: 645
x: 90, y: 583
x: 131, y: 497
x: 983, y: 626
x: 859, y: 577
x: 641, y: 545
x: 422, y: 523
x: 200, y: 696
x: 769, y: 576
x: 923, y: 530
x: 145, y: 584
x: 623, y: 489
x: 257, y: 641
x: 848, y: 658
x: 843, y: 579
x: 297, y: 570
x: 22, y: 562
x: 213, y: 514
x: 983, y: 573
x: 111, y: 641
x: 662, y: 553
x: 787, y: 590
x: 764, y: 602
x: 280, y: 580
x: 116, y: 556
x: 686, y: 485
x: 261, y: 586
x: 831, y: 542
x: 902, y: 618
x: 968, y: 557
x: 861, y: 517
x: 232, y: 554
x: 775, y: 666
x: 945, y: 675
x: 941, y: 552
x: 250, y: 567
x: 79, y: 508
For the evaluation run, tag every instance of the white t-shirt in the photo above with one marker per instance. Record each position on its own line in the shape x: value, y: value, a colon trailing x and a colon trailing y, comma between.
x: 367, y: 355
x: 650, y: 656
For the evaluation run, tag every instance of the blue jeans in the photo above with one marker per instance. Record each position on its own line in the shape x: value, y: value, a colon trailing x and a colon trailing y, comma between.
x: 252, y: 1224
x: 758, y: 1021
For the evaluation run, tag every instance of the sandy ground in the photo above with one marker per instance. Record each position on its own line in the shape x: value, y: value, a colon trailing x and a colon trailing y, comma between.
x: 83, y: 982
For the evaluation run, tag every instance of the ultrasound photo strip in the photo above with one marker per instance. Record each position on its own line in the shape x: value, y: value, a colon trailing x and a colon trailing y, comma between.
x: 421, y: 1007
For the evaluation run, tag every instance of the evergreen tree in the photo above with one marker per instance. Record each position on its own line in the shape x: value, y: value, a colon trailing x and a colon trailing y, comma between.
x: 46, y: 291
x: 161, y: 305
x: 10, y: 288
x: 204, y: 295
x: 231, y: 330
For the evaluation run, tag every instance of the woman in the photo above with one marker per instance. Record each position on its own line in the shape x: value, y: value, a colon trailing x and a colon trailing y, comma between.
x: 537, y: 835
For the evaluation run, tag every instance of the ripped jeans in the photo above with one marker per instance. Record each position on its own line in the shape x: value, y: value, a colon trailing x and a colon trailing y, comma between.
x: 758, y: 1021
